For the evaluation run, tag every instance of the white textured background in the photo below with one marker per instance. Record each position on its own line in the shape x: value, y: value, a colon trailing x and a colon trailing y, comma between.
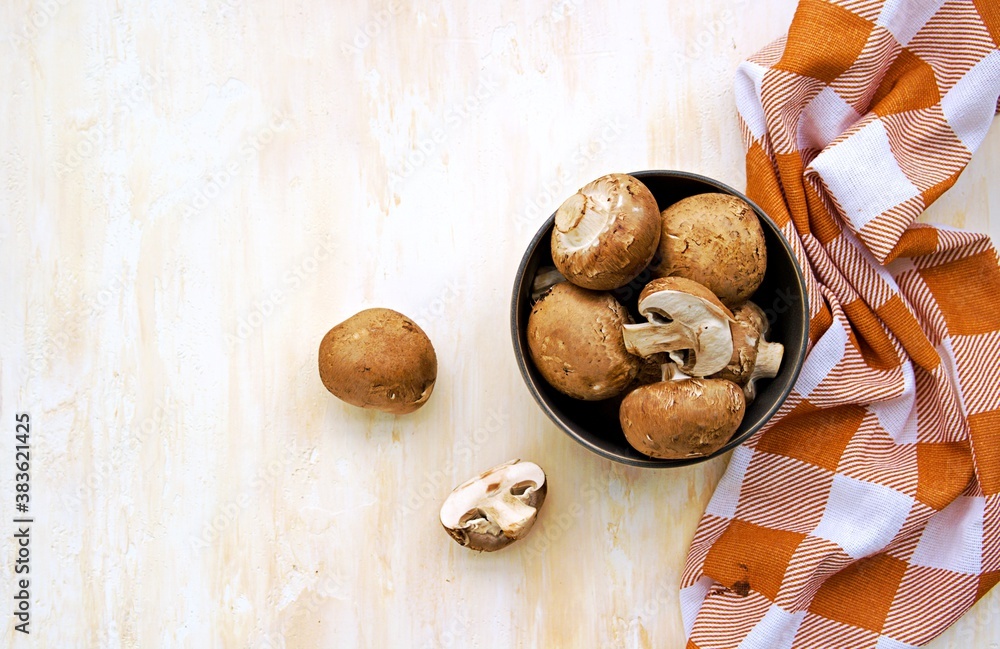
x: 193, y: 193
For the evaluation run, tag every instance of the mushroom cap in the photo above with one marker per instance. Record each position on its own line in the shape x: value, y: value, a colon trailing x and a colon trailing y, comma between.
x: 686, y: 285
x: 379, y: 359
x: 706, y: 320
x: 681, y: 419
x: 495, y: 508
x: 606, y: 233
x: 575, y: 340
x: 716, y: 240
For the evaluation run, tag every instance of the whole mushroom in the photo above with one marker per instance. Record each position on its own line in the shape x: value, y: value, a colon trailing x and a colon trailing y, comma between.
x: 379, y: 359
x: 575, y: 340
x: 496, y: 508
x: 715, y: 240
x: 682, y: 417
x: 606, y: 233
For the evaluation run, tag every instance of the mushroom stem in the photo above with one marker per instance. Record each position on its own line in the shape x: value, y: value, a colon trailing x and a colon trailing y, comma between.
x: 509, y: 513
x: 673, y: 372
x: 683, y: 316
x: 768, y: 360
x: 582, y: 222
x: 651, y: 338
x: 768, y: 363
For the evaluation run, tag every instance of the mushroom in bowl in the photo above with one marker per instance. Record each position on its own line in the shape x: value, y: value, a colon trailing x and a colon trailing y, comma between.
x: 606, y: 233
x: 716, y: 240
x: 575, y: 341
x: 682, y: 417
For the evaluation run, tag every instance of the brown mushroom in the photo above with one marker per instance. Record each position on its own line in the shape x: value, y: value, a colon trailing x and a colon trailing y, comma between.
x: 379, y: 359
x: 715, y: 240
x: 575, y: 340
x: 678, y: 419
x: 496, y: 508
x: 686, y: 320
x: 753, y: 356
x: 606, y: 233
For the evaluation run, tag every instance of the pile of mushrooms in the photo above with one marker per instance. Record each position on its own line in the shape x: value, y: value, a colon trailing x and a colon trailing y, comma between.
x: 702, y: 332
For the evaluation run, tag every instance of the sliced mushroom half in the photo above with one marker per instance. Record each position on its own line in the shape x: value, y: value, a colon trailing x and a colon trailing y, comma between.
x: 753, y: 356
x: 496, y: 508
x: 686, y: 320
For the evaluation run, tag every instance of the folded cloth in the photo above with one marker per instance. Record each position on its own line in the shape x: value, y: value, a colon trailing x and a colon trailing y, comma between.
x: 867, y: 513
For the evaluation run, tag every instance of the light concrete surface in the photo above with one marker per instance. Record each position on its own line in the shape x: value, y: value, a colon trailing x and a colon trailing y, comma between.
x: 194, y: 193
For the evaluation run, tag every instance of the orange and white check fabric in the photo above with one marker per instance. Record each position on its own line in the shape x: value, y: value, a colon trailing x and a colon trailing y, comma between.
x: 867, y: 514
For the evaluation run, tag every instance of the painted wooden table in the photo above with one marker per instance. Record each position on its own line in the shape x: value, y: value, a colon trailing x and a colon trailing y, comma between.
x: 193, y: 193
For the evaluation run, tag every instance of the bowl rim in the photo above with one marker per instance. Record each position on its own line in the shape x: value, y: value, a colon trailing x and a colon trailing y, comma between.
x: 521, y: 354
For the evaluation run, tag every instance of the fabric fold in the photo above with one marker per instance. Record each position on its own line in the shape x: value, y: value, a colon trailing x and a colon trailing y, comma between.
x: 866, y: 513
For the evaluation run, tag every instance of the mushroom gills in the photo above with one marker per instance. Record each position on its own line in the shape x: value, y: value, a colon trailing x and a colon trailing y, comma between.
x: 496, y: 508
x: 685, y: 320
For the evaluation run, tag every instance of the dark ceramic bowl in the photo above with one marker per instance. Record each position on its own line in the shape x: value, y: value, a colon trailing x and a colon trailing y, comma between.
x: 782, y: 295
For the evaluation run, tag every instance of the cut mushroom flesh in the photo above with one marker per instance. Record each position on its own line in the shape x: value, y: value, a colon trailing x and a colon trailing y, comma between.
x: 695, y: 332
x: 495, y: 508
x: 768, y: 362
x: 754, y: 357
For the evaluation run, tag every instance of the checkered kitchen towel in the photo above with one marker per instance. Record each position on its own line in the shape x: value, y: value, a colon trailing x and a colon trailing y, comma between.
x: 868, y: 513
